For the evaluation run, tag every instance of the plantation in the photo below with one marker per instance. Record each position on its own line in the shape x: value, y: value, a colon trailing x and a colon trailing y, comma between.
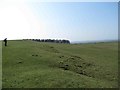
x: 30, y: 64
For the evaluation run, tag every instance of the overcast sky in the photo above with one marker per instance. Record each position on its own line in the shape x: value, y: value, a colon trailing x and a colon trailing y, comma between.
x: 76, y: 21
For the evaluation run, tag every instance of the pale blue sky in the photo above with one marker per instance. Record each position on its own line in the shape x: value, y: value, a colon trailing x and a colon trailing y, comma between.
x: 76, y: 21
x: 79, y: 21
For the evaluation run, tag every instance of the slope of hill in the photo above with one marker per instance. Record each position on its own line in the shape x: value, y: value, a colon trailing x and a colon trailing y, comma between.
x: 28, y: 64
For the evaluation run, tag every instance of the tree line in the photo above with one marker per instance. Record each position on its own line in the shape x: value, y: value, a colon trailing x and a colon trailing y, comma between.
x: 50, y: 40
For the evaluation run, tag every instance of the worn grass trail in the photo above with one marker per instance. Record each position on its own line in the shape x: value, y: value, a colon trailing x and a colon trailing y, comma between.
x: 29, y: 64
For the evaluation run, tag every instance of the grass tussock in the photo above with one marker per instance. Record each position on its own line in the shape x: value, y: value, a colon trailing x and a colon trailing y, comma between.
x: 28, y: 64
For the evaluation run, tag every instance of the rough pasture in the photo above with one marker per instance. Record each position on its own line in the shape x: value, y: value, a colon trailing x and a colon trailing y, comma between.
x: 29, y: 64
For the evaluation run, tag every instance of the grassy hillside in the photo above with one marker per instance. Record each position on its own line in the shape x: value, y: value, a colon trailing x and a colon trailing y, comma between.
x: 29, y: 64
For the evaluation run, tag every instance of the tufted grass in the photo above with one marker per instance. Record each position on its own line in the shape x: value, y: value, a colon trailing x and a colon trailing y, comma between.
x: 30, y: 64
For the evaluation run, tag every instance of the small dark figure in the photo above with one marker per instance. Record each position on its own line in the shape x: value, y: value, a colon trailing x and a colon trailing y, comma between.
x: 5, y: 40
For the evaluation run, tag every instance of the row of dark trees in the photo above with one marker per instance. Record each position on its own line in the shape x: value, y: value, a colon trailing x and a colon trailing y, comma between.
x: 50, y: 40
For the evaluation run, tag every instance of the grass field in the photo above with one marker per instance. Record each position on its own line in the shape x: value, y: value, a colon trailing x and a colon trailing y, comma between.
x: 30, y: 64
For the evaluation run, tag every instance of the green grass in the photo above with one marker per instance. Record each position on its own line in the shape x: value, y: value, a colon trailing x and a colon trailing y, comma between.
x: 29, y: 64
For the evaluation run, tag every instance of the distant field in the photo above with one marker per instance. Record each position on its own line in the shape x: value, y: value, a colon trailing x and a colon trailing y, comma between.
x: 30, y: 64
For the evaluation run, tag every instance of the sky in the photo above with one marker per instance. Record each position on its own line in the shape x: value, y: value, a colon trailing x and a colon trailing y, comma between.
x: 75, y: 21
